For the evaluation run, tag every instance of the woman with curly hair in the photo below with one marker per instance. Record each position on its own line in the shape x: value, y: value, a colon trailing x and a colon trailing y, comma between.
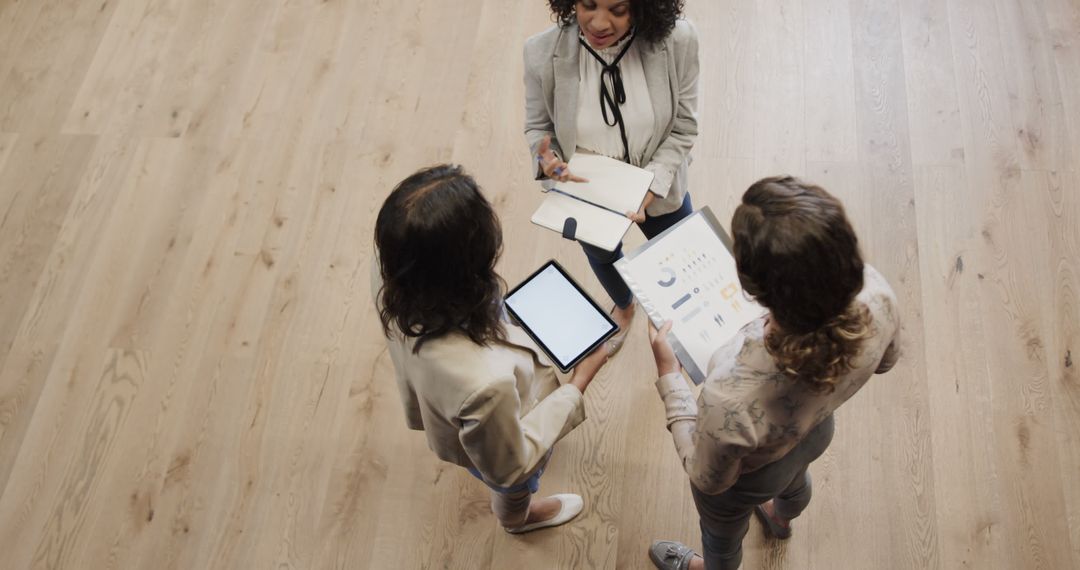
x: 616, y: 78
x: 765, y: 409
x: 485, y: 396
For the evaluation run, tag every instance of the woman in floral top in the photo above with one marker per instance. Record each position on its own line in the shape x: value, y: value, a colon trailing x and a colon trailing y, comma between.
x: 765, y: 409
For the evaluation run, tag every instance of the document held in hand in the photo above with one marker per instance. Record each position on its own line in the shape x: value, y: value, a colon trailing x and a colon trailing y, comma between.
x: 687, y: 275
x: 598, y: 207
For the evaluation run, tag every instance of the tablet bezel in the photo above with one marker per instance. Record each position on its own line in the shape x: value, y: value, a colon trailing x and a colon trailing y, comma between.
x: 517, y: 319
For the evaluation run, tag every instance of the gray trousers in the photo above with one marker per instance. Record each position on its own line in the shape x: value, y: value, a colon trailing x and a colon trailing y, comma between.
x: 725, y: 518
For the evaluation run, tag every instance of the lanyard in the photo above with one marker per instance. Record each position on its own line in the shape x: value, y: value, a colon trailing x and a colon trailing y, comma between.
x: 608, y: 102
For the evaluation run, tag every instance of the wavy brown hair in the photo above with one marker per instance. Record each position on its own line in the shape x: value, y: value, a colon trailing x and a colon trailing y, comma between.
x: 438, y: 240
x: 798, y: 256
x: 653, y: 20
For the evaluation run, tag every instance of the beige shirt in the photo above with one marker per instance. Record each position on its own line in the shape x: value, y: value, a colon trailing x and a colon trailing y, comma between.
x: 750, y: 414
x: 497, y: 408
x: 594, y: 135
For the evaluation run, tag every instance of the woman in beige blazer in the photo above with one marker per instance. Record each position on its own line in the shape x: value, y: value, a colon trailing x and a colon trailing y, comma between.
x: 617, y: 78
x: 485, y: 397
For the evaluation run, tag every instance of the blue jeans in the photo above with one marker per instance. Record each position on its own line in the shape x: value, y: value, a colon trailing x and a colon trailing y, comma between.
x: 511, y: 504
x: 725, y: 518
x: 532, y: 484
x: 603, y: 262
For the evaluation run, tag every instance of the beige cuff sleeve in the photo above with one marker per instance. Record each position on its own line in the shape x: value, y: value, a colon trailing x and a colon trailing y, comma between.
x: 663, y: 176
x: 679, y: 402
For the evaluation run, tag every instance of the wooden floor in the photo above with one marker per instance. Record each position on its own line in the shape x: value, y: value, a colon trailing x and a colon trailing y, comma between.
x: 192, y: 376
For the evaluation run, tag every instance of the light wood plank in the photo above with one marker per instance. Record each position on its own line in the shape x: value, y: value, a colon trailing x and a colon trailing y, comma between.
x: 1037, y: 109
x: 7, y: 145
x: 106, y: 415
x: 933, y: 103
x: 1020, y: 384
x: 886, y: 179
x: 49, y: 309
x: 16, y: 21
x: 1063, y: 21
x: 960, y: 394
x: 779, y: 90
x: 40, y: 85
x: 125, y: 69
x: 190, y: 191
x: 726, y: 30
x: 990, y: 148
x: 52, y: 436
x: 1062, y: 209
x: 212, y: 50
x: 34, y: 201
x: 829, y: 83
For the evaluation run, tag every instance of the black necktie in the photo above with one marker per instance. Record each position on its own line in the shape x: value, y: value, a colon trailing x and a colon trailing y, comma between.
x: 608, y: 102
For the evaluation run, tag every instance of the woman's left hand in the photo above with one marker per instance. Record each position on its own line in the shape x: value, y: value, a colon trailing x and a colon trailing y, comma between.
x: 638, y: 217
x: 666, y: 363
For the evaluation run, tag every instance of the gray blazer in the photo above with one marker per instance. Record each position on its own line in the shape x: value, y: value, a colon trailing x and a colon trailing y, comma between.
x: 671, y: 73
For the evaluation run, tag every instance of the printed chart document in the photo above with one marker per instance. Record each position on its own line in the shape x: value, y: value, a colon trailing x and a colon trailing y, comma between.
x: 687, y: 275
x: 599, y: 206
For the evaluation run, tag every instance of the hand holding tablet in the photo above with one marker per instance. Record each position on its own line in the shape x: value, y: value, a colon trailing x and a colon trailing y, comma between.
x: 557, y: 313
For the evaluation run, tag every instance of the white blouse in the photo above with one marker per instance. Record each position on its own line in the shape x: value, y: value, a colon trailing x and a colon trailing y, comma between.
x: 593, y: 134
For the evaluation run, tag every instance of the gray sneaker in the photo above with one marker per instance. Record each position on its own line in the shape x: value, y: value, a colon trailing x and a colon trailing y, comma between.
x: 670, y: 555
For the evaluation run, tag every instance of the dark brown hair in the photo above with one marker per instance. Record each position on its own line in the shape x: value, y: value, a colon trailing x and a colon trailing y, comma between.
x: 653, y: 20
x: 798, y: 256
x: 438, y: 240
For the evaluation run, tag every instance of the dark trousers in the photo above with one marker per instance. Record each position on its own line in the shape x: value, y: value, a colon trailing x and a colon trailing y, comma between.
x: 725, y: 518
x: 603, y: 262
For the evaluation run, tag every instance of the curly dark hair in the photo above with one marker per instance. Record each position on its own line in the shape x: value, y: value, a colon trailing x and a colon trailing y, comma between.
x: 438, y: 240
x: 797, y: 255
x: 653, y: 20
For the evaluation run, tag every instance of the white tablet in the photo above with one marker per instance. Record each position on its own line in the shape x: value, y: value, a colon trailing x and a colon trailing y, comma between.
x: 557, y: 313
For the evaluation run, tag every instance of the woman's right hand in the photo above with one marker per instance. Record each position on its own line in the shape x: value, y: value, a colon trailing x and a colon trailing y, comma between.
x: 587, y: 368
x: 554, y: 168
x: 666, y: 362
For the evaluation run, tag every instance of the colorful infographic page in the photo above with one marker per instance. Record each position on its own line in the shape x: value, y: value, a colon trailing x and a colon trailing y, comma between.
x: 687, y: 275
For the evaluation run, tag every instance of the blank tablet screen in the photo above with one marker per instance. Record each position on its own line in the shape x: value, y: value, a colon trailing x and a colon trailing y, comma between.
x: 559, y: 315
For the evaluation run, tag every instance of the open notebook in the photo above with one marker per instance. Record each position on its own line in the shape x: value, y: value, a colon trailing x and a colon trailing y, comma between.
x: 598, y: 206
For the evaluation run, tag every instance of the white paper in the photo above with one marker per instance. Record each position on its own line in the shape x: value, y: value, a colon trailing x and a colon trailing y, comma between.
x: 686, y: 275
x: 611, y: 183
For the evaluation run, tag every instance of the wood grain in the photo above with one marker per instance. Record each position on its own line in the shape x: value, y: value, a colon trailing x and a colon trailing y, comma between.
x: 933, y: 103
x: 886, y: 181
x: 192, y: 374
x: 779, y: 90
